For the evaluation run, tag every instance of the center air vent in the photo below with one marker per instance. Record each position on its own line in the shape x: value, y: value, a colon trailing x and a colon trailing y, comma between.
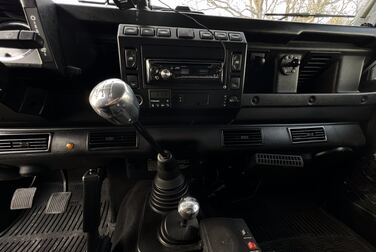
x: 24, y: 143
x: 244, y: 137
x: 307, y: 135
x: 112, y: 140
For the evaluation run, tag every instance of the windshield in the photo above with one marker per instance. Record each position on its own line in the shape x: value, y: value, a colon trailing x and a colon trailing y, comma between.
x: 338, y: 12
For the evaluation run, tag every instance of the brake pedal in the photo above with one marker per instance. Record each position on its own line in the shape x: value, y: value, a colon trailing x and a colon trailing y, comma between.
x: 23, y: 198
x: 58, y: 202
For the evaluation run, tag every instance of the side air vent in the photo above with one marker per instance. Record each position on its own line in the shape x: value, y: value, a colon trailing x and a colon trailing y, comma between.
x: 24, y: 143
x: 313, y: 65
x: 308, y: 135
x: 112, y: 140
x: 242, y: 137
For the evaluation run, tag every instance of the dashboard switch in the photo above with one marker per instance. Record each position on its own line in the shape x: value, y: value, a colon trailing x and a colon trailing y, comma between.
x: 186, y: 33
x: 233, y: 99
x: 236, y: 62
x: 206, y: 35
x: 164, y: 32
x: 130, y: 30
x: 235, y: 83
x: 251, y: 245
x: 235, y: 36
x: 221, y: 35
x: 150, y: 32
x: 130, y: 58
x: 132, y: 81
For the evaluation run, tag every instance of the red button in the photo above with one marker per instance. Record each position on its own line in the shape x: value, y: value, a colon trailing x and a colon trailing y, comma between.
x: 252, y: 245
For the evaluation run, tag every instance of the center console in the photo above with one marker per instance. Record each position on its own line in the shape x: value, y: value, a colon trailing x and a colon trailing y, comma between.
x: 169, y: 68
x: 183, y: 68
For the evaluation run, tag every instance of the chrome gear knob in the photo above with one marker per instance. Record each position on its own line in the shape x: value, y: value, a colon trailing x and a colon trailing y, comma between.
x: 188, y: 208
x: 115, y: 101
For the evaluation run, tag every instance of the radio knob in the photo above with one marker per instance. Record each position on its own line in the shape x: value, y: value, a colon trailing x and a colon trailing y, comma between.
x: 166, y: 74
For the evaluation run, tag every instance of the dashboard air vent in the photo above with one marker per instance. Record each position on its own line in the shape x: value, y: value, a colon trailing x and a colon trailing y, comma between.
x: 313, y: 65
x: 112, y: 140
x: 24, y: 143
x: 308, y: 135
x: 242, y: 137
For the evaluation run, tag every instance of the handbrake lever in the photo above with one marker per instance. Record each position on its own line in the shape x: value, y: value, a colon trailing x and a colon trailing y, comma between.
x: 21, y: 39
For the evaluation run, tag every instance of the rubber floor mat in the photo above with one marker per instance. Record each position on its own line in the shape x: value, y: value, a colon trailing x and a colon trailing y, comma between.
x: 37, y: 231
x: 293, y: 225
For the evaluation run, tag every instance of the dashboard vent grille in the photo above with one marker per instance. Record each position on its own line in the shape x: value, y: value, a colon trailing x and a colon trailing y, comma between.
x: 242, y: 137
x: 312, y: 66
x: 112, y: 140
x: 24, y: 143
x: 279, y: 160
x: 308, y: 135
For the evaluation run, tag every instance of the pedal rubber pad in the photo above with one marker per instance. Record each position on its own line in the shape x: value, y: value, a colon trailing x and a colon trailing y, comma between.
x: 58, y: 202
x: 23, y: 198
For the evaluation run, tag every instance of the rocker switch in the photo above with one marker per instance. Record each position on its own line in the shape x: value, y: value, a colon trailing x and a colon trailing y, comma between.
x: 130, y: 58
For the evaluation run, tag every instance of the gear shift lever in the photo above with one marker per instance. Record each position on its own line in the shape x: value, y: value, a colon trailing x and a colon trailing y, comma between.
x: 115, y: 101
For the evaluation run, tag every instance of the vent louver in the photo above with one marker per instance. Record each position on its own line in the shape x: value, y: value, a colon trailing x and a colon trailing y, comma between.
x: 24, y: 143
x: 112, y: 140
x: 308, y: 135
x: 313, y: 65
x: 242, y: 137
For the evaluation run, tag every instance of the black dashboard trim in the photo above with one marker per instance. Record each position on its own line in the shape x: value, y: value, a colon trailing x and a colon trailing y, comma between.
x: 308, y: 100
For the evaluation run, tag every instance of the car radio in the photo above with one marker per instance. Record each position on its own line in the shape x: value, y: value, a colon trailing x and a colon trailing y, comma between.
x: 183, y: 68
x: 185, y: 72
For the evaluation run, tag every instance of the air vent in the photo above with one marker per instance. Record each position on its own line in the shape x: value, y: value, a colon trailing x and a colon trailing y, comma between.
x: 313, y: 65
x: 24, y: 143
x: 279, y: 160
x: 308, y: 135
x: 112, y: 140
x: 242, y: 137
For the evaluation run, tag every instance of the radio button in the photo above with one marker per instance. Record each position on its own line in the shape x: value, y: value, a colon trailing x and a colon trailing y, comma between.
x: 130, y: 30
x: 206, y: 35
x: 147, y: 32
x: 166, y: 74
x: 164, y: 32
x: 221, y: 35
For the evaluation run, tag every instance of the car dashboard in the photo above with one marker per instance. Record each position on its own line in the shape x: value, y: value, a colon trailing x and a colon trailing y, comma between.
x: 228, y: 85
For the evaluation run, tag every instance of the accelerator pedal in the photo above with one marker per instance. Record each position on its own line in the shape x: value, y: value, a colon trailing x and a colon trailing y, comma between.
x: 23, y: 198
x: 58, y: 202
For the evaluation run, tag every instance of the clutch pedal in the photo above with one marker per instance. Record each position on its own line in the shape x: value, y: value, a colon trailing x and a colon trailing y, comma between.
x: 23, y: 198
x: 279, y: 160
